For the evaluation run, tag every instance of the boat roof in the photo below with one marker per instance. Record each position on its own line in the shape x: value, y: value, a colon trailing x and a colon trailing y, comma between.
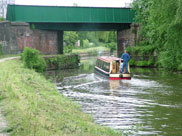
x: 108, y: 58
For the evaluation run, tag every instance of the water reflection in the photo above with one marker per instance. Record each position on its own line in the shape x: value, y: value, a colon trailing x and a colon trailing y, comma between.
x: 86, y: 67
x: 114, y: 84
x: 152, y: 98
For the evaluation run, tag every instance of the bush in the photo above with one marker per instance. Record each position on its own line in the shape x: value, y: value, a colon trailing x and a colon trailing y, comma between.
x: 141, y: 50
x: 142, y: 63
x: 151, y: 61
x: 92, y: 53
x: 68, y: 49
x: 64, y: 61
x: 144, y: 53
x: 86, y: 43
x: 112, y: 46
x: 132, y: 62
x: 32, y: 59
x: 180, y: 67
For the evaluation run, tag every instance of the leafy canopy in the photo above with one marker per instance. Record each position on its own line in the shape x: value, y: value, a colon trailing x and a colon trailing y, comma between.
x: 161, y: 24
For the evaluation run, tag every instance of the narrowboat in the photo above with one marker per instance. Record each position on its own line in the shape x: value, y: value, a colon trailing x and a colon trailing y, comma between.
x: 110, y: 67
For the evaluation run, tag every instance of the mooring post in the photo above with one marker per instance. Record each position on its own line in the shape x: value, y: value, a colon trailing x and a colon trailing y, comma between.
x: 60, y: 42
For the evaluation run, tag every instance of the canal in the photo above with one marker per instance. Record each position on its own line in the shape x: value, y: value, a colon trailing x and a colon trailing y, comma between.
x: 148, y: 104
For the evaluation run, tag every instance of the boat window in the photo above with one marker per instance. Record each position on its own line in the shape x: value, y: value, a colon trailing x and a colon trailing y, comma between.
x: 103, y: 65
x: 100, y: 63
x: 97, y: 63
x: 106, y: 66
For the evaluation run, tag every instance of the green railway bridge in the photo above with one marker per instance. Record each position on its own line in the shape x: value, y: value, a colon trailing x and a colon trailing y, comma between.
x: 61, y: 18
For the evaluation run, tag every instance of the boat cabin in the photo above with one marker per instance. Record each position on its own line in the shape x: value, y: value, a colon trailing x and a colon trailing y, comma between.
x: 111, y: 67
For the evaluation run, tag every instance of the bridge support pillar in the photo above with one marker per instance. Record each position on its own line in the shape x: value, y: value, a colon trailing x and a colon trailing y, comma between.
x: 125, y: 38
x: 120, y: 43
x: 60, y: 42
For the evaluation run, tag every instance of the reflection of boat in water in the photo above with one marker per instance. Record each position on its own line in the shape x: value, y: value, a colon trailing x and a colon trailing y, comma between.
x: 109, y: 67
x: 114, y: 84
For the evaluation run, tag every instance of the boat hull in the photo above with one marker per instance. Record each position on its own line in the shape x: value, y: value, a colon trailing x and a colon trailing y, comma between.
x: 119, y: 76
x: 112, y: 76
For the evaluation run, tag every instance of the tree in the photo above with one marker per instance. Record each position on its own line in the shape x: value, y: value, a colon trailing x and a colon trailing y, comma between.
x: 1, y: 19
x: 70, y: 38
x: 161, y: 22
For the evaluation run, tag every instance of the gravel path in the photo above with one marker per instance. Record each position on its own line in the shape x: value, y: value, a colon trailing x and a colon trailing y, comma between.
x: 3, y: 124
x: 9, y: 58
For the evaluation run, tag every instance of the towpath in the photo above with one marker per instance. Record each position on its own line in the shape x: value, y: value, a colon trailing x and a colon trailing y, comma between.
x: 3, y: 123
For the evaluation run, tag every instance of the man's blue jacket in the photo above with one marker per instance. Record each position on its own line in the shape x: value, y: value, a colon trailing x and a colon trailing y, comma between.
x: 125, y: 57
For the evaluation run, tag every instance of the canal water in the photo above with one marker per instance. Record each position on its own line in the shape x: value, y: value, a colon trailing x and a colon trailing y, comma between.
x: 148, y: 104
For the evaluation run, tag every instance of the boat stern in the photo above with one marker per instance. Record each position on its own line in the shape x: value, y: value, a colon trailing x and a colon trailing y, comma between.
x: 120, y: 76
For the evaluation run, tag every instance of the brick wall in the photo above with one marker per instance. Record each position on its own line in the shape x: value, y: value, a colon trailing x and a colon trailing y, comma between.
x: 15, y: 36
x: 127, y: 38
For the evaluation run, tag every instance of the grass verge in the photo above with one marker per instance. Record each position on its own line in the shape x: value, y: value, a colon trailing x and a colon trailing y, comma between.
x: 33, y: 107
x: 90, y: 50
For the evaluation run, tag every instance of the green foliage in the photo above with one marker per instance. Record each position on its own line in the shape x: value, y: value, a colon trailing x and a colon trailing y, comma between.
x: 64, y: 61
x: 141, y: 50
x: 32, y: 59
x: 143, y: 53
x: 68, y: 49
x: 180, y: 67
x: 151, y: 61
x: 103, y: 36
x: 95, y: 37
x: 85, y: 43
x: 112, y: 36
x: 70, y: 38
x: 161, y: 23
x: 1, y: 51
x: 90, y: 39
x: 142, y: 63
x: 112, y: 46
x: 91, y: 36
x: 93, y: 51
x: 1, y: 19
x: 132, y: 62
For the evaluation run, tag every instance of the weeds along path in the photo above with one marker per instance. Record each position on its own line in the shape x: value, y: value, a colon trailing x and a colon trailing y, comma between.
x: 3, y: 124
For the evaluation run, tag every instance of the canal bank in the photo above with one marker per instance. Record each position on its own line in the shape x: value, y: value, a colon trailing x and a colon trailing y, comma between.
x: 32, y: 106
x: 3, y: 123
